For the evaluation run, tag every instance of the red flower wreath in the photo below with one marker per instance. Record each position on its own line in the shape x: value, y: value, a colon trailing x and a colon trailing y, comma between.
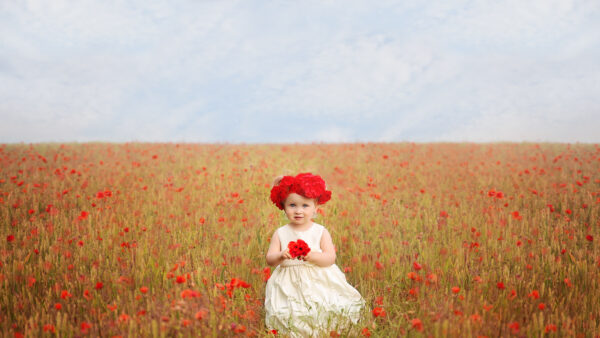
x: 305, y: 184
x: 298, y: 248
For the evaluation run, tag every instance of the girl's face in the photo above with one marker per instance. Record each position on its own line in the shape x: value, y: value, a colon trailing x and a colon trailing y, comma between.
x: 299, y: 209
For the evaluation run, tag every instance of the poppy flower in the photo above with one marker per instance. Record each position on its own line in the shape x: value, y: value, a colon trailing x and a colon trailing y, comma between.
x: 189, y: 293
x: 417, y: 324
x: 83, y: 215
x: 85, y: 326
x: 305, y: 184
x: 49, y: 327
x: 534, y: 294
x: 65, y: 294
x: 201, y: 314
x: 379, y: 312
x: 238, y: 328
x: 298, y: 248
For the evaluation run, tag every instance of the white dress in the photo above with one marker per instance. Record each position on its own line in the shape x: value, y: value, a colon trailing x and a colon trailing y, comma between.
x: 303, y: 299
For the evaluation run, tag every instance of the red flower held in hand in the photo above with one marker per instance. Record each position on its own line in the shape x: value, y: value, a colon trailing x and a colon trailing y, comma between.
x: 298, y: 248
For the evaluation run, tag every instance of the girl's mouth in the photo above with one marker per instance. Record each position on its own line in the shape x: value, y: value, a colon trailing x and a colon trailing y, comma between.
x: 298, y: 217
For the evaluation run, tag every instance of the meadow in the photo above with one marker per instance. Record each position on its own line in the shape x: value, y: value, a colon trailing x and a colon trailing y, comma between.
x: 137, y: 239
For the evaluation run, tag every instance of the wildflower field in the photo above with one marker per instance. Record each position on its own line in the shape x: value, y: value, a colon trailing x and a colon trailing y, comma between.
x: 170, y: 239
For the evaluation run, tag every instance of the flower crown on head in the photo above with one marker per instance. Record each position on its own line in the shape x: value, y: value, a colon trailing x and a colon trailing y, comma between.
x: 305, y: 184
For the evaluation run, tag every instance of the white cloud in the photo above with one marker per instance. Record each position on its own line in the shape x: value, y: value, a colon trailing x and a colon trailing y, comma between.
x: 507, y: 127
x: 232, y: 71
x: 333, y: 134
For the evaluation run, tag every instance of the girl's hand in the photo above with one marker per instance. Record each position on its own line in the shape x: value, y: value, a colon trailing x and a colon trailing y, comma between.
x: 308, y: 257
x: 285, y: 254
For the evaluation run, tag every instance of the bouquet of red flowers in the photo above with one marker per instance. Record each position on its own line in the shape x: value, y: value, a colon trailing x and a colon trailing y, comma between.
x: 298, y: 248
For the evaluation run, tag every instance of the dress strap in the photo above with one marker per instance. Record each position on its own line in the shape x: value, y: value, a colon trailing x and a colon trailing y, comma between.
x: 286, y: 235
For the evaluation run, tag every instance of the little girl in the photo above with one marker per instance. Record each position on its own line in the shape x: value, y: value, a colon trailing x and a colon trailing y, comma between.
x: 307, y: 295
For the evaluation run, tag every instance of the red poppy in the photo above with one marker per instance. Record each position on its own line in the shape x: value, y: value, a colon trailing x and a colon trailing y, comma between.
x: 65, y: 294
x: 534, y: 294
x: 201, y: 314
x: 189, y: 293
x: 236, y: 283
x: 238, y: 328
x: 298, y: 248
x: 85, y: 327
x: 514, y: 326
x: 417, y: 324
x: 305, y: 184
x: 379, y: 312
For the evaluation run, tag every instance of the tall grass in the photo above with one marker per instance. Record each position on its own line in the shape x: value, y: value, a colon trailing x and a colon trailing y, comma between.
x: 169, y: 239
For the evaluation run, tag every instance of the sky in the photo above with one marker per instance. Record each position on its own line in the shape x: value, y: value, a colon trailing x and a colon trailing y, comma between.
x: 300, y: 71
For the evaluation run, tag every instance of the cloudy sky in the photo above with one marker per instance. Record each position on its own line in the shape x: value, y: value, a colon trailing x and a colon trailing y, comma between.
x: 300, y: 71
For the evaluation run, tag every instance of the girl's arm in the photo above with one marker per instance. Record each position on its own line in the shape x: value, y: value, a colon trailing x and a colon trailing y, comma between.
x: 275, y: 255
x: 325, y: 258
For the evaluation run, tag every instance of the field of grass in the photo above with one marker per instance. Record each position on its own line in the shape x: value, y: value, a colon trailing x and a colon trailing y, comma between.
x: 170, y: 239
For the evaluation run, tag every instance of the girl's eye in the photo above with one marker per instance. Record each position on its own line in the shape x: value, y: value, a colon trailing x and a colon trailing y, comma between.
x: 305, y: 205
x: 292, y: 205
